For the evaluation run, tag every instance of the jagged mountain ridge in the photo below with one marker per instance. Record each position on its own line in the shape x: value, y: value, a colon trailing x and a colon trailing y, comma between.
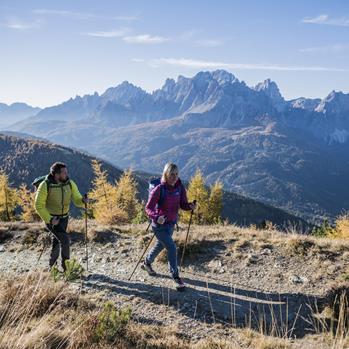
x: 287, y: 153
x: 207, y: 93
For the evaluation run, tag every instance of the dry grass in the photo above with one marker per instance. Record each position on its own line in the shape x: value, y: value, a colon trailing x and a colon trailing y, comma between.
x: 257, y: 340
x: 333, y: 321
x: 252, y: 236
x: 102, y: 233
x: 241, y: 241
x: 31, y: 310
x: 196, y: 244
x: 35, y: 234
x: 37, y: 313
x: 299, y: 245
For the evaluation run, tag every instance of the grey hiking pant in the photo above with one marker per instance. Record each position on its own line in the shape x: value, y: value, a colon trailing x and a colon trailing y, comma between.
x: 60, y: 241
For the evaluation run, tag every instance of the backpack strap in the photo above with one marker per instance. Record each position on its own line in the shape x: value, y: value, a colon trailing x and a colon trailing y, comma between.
x: 162, y: 195
x: 49, y: 186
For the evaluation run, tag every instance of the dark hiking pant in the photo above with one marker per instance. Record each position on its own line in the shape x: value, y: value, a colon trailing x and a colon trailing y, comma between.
x: 60, y: 241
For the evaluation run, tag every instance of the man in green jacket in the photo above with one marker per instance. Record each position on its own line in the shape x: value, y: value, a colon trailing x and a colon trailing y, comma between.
x: 52, y: 202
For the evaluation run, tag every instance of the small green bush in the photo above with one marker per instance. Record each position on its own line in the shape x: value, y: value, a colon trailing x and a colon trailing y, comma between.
x: 74, y: 271
x: 140, y: 216
x: 323, y: 230
x: 55, y: 273
x: 345, y: 277
x: 111, y: 322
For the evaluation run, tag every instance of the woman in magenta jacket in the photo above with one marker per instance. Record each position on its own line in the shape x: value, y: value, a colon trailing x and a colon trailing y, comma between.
x: 164, y: 217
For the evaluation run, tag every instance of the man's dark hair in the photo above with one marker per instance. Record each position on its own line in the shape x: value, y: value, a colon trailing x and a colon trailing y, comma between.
x: 56, y: 167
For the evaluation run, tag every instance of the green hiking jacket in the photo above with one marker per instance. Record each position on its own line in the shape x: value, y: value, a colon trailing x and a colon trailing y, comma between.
x: 53, y: 199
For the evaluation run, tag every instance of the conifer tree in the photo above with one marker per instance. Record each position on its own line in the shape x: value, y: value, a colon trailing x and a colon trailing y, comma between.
x: 197, y: 191
x: 103, y: 197
x: 126, y: 194
x: 26, y: 200
x: 215, y: 203
x: 8, y: 198
x: 141, y: 216
x: 342, y: 227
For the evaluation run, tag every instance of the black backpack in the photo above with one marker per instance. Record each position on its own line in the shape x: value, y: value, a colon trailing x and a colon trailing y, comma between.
x: 38, y: 180
x: 154, y: 183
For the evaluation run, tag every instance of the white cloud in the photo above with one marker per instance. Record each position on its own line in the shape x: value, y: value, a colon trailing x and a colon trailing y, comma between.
x: 188, y: 35
x: 315, y: 20
x: 108, y: 34
x: 191, y: 63
x: 209, y: 42
x: 83, y: 15
x: 17, y: 24
x: 126, y: 18
x: 325, y: 49
x: 76, y: 15
x: 145, y: 39
x: 138, y: 60
x: 325, y: 19
x: 195, y: 37
x: 201, y: 64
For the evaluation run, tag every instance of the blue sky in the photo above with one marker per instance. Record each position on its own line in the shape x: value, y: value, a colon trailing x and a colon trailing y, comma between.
x: 54, y: 50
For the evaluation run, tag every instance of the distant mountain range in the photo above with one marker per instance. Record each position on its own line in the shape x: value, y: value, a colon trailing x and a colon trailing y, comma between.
x: 24, y: 159
x: 291, y: 154
x: 15, y: 112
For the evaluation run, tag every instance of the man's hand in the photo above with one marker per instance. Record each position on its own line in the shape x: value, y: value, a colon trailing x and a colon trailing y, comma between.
x: 85, y: 199
x: 55, y: 221
x: 192, y: 205
x: 161, y: 220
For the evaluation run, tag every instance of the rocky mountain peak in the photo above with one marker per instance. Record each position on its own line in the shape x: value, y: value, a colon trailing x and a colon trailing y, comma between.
x: 334, y: 103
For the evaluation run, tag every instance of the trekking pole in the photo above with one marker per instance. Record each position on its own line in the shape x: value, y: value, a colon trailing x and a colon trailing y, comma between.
x: 44, y: 245
x: 86, y: 247
x: 42, y: 251
x: 145, y: 250
x: 186, y: 238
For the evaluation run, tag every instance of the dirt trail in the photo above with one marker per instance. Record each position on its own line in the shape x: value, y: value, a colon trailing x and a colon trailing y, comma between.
x: 222, y: 289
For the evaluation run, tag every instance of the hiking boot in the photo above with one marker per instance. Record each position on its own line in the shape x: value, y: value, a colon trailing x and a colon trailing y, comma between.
x: 180, y: 285
x: 148, y: 268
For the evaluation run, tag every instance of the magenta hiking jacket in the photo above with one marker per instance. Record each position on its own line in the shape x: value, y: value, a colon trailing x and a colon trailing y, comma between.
x: 175, y: 197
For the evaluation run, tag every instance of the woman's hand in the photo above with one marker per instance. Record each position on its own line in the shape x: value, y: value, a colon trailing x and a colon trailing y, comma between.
x: 192, y: 205
x: 161, y: 220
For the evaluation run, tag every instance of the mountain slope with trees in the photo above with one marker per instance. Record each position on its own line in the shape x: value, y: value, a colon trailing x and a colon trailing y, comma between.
x: 23, y: 160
